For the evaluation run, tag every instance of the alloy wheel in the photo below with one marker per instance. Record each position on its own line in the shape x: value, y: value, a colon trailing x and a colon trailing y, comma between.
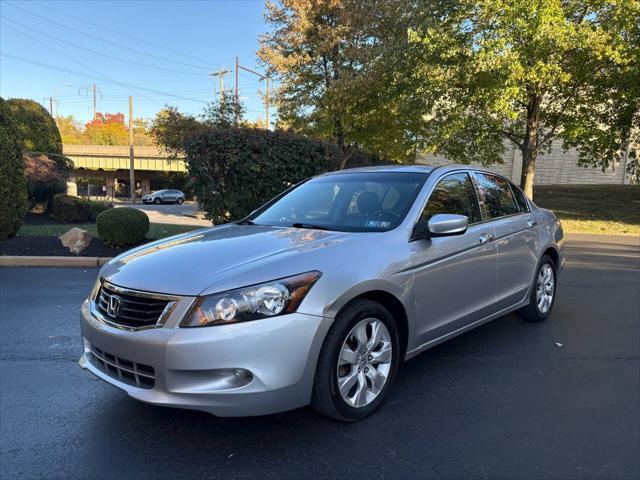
x: 545, y: 288
x: 364, y: 364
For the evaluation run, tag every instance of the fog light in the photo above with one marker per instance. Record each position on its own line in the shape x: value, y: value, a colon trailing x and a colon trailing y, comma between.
x: 245, y: 376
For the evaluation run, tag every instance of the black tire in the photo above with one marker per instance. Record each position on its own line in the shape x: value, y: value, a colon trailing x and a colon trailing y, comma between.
x: 157, y: 201
x: 180, y: 201
x: 531, y: 313
x: 326, y: 398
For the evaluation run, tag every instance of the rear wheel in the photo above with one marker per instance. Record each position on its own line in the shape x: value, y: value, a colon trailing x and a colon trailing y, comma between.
x: 180, y: 201
x: 543, y: 293
x: 357, y: 363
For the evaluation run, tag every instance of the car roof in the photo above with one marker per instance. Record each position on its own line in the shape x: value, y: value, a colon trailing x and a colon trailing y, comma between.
x: 400, y: 168
x: 385, y: 169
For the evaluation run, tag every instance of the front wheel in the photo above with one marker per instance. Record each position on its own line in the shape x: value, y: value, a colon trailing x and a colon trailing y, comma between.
x: 543, y: 293
x: 157, y: 201
x: 357, y: 363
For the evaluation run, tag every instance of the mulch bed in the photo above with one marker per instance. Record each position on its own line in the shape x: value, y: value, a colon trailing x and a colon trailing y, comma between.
x: 40, y: 245
x: 42, y: 219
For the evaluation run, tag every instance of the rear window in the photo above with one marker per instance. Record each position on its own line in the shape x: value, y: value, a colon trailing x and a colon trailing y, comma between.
x: 521, y: 199
x: 498, y: 200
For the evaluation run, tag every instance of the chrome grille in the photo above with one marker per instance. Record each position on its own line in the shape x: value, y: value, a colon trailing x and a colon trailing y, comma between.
x: 134, y: 309
x: 129, y: 372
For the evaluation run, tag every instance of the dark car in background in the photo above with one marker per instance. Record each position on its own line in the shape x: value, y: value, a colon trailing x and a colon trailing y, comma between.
x: 165, y: 196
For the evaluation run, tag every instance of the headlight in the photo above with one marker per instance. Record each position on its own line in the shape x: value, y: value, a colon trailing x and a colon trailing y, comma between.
x: 251, y: 303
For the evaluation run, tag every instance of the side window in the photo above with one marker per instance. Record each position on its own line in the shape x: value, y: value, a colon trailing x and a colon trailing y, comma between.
x: 454, y: 194
x: 521, y: 200
x: 497, y: 197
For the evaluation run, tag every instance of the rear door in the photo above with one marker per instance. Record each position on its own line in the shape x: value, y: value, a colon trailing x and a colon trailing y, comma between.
x: 454, y: 276
x: 517, y: 236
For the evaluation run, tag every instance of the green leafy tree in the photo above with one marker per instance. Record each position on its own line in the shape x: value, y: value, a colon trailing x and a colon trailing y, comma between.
x: 170, y: 129
x: 35, y: 127
x: 13, y: 184
x: 223, y: 111
x: 525, y: 72
x: 332, y: 82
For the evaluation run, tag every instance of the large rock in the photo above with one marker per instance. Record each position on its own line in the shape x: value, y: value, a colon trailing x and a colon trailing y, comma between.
x: 75, y: 240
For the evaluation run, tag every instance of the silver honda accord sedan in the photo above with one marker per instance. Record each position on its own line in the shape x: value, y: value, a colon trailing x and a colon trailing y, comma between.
x: 319, y: 295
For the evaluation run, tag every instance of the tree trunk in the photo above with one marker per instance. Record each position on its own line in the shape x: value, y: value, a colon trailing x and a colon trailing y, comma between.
x: 530, y: 145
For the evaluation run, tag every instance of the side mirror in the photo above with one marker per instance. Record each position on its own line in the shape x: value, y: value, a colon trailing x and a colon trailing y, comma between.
x: 442, y: 225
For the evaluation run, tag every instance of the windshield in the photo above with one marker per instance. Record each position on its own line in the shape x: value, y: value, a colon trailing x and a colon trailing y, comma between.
x: 355, y: 202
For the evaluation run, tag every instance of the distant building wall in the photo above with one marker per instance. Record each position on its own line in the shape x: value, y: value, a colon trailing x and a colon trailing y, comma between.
x: 555, y: 167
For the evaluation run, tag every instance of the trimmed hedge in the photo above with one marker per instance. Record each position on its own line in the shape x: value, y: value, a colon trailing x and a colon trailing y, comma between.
x: 69, y: 208
x: 235, y: 170
x: 122, y: 226
x: 37, y: 129
x: 13, y: 184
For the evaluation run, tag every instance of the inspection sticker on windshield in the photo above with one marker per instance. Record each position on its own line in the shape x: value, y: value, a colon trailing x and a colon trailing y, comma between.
x: 377, y: 224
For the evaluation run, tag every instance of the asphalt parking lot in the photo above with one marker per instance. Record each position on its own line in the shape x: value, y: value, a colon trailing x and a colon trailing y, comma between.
x: 508, y: 400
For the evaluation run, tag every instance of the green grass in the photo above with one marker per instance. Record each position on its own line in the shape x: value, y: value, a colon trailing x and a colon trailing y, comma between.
x: 156, y: 230
x: 604, y: 209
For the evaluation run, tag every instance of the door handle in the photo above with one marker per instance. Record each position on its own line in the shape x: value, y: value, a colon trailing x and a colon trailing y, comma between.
x: 485, y: 238
x: 531, y: 223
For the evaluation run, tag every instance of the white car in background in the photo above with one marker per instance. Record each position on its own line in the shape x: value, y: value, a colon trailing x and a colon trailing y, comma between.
x: 165, y: 196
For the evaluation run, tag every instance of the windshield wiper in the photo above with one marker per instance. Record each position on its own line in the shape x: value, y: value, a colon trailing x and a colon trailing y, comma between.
x: 310, y: 225
x: 245, y: 222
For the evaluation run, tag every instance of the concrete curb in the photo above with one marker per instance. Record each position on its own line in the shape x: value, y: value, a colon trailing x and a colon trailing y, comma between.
x: 25, y: 261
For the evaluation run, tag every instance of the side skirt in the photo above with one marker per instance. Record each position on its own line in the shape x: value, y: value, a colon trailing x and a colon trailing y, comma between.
x: 460, y: 331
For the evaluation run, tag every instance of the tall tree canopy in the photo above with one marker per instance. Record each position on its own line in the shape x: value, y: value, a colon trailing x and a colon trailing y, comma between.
x: 460, y: 77
x: 318, y: 51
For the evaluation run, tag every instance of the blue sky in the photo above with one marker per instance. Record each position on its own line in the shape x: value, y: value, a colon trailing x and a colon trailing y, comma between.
x: 179, y: 43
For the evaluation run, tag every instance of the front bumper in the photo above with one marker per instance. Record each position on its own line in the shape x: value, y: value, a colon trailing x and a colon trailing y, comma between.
x: 193, y: 367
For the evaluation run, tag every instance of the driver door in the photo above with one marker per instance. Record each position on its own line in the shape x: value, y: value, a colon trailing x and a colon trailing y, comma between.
x: 455, y: 276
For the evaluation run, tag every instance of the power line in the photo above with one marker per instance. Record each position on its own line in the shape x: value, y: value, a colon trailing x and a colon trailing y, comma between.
x: 103, y: 78
x: 182, y: 54
x: 119, y: 45
x: 95, y: 52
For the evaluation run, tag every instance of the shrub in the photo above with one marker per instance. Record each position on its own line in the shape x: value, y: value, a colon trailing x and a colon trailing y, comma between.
x: 235, y: 170
x: 36, y: 128
x: 47, y: 175
x: 70, y: 209
x: 13, y: 185
x: 97, y: 207
x: 122, y: 226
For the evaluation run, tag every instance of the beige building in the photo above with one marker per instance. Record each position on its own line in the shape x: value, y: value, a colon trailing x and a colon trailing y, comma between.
x: 103, y: 171
x: 555, y: 167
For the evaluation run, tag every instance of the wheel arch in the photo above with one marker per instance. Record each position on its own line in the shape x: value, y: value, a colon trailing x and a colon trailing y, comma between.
x: 395, y: 307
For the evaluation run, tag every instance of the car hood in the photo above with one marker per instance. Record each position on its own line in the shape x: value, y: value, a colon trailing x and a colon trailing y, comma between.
x: 190, y: 263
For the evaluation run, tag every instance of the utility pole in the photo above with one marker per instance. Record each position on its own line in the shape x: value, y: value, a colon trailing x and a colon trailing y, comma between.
x: 132, y: 177
x: 221, y: 73
x: 262, y: 77
x: 93, y: 90
x: 237, y: 95
x: 51, y: 106
x: 266, y: 106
